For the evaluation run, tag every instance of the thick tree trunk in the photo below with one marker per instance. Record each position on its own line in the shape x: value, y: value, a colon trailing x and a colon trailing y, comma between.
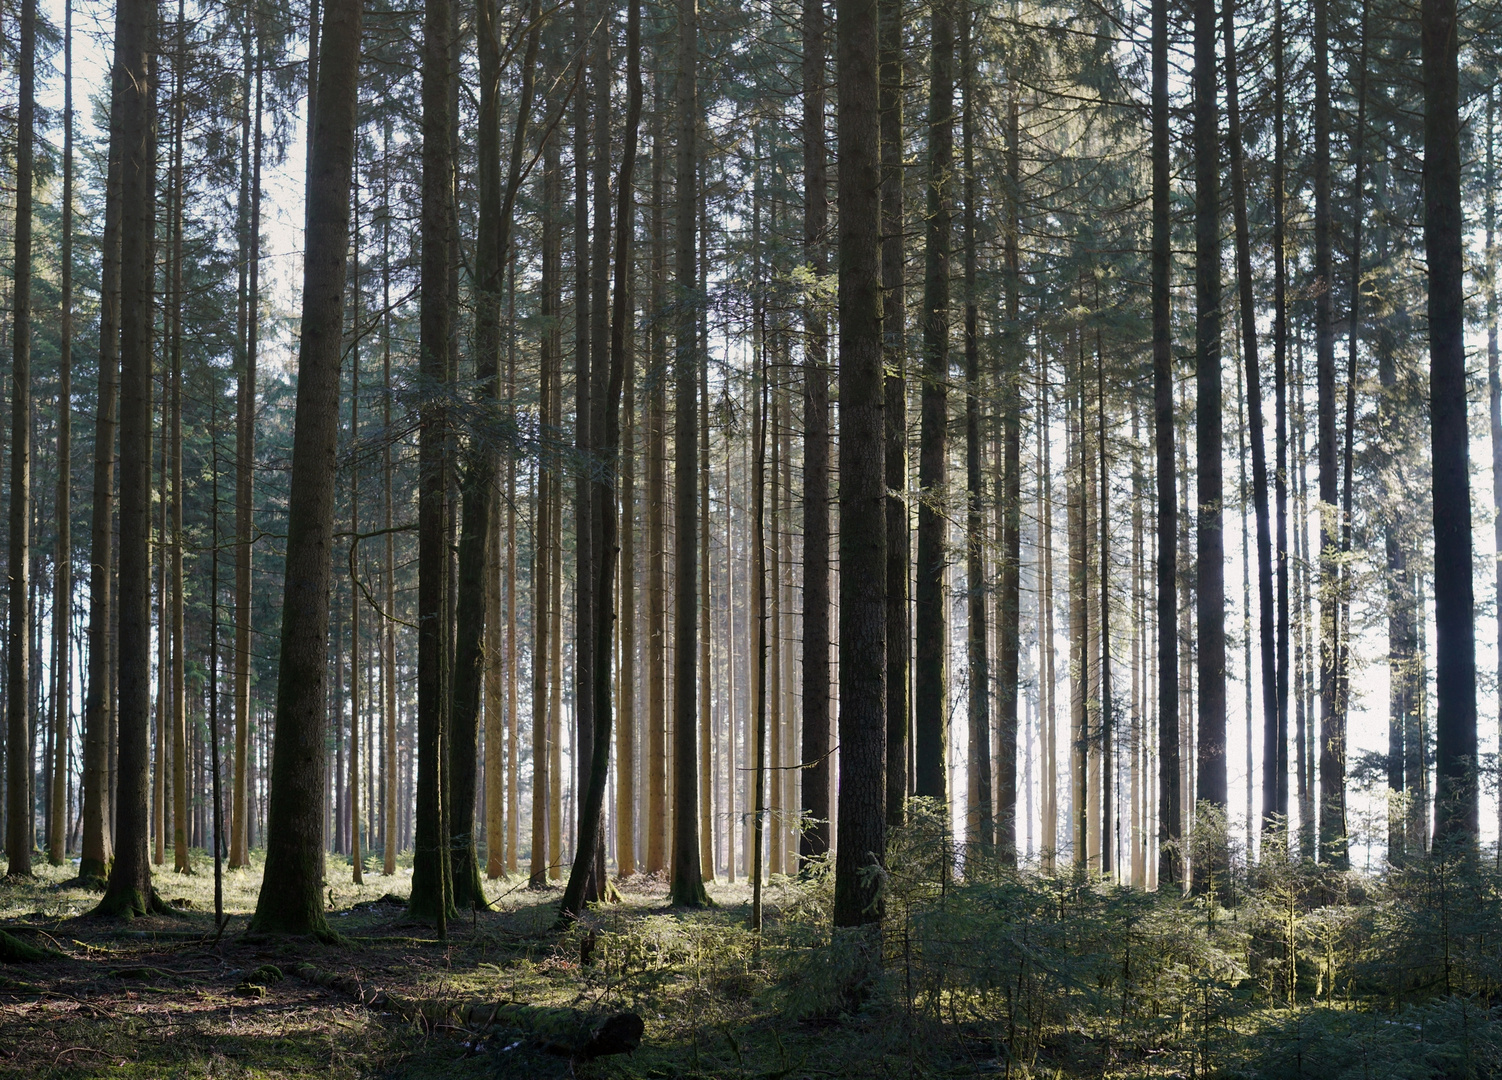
x: 133, y: 116
x: 1456, y: 764
x: 1280, y: 394
x: 863, y: 439
x: 291, y: 899
x: 431, y: 888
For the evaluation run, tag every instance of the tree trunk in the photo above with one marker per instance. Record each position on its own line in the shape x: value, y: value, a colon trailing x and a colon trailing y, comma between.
x: 389, y: 817
x: 980, y: 819
x: 356, y: 856
x: 1170, y: 858
x: 1494, y: 390
x: 592, y: 813
x: 687, y: 887
x: 1332, y: 806
x: 863, y: 439
x: 1456, y: 764
x: 588, y: 40
x: 655, y: 820
x: 1210, y: 577
x: 245, y: 412
x: 1009, y: 602
x: 431, y: 888
x: 18, y: 842
x: 178, y: 709
x: 817, y: 771
x: 930, y: 690
x: 291, y: 899
x: 133, y: 117
x: 1273, y: 746
x: 1280, y: 394
x: 894, y: 360
x: 62, y: 604
x: 542, y: 544
x: 99, y: 702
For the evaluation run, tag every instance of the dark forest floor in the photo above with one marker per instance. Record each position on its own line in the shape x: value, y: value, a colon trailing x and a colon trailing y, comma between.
x: 161, y: 997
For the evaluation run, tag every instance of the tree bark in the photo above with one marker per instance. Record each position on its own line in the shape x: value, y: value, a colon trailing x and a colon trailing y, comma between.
x: 687, y: 887
x: 1210, y: 592
x: 863, y: 440
x: 980, y: 818
x: 1170, y: 858
x: 291, y: 899
x: 1456, y: 765
x: 18, y: 839
x: 930, y: 690
x: 1332, y: 806
x: 816, y: 773
x: 890, y: 58
x: 62, y: 605
x: 133, y: 116
x: 591, y: 817
x: 431, y: 897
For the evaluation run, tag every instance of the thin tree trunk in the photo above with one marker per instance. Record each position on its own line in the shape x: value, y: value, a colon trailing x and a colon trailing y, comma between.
x: 356, y: 851
x: 1332, y: 807
x: 980, y: 819
x: 1170, y: 812
x: 178, y: 711
x: 291, y: 899
x: 1272, y: 813
x: 687, y: 887
x: 1280, y: 395
x: 1494, y: 393
x: 656, y: 817
x: 542, y: 590
x: 1009, y: 605
x: 18, y: 736
x: 930, y: 690
x: 625, y: 732
x: 96, y: 850
x: 817, y: 771
x: 62, y: 605
x: 591, y: 816
x: 389, y: 818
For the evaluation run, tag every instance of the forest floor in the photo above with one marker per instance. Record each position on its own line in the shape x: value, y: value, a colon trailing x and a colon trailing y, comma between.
x: 165, y: 997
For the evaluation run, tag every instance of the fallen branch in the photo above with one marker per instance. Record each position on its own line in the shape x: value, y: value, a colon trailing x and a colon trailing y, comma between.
x: 570, y: 1033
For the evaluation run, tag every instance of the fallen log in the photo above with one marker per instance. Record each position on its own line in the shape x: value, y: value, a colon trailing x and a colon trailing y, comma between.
x: 571, y: 1033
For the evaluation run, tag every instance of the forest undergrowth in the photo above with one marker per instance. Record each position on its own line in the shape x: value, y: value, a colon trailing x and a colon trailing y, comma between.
x: 1292, y: 971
